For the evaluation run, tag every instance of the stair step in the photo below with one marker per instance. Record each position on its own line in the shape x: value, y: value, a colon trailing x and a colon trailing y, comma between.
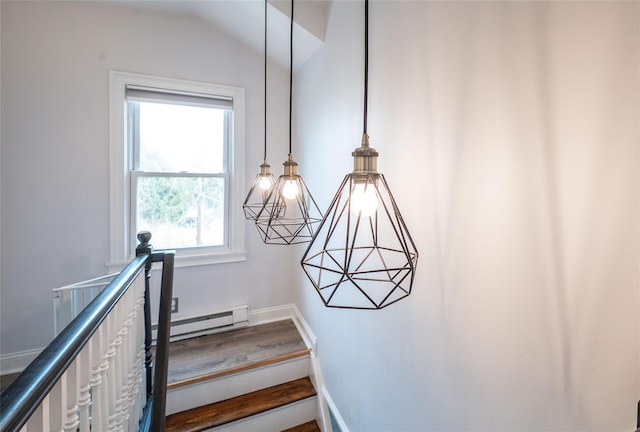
x: 208, y: 357
x: 240, y: 407
x: 225, y: 387
x: 311, y: 426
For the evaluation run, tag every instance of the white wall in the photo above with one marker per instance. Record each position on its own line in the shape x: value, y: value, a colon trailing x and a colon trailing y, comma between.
x: 56, y: 58
x: 509, y: 134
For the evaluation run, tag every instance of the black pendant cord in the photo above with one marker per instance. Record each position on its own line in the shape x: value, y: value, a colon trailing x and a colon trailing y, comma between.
x: 265, y: 80
x: 366, y: 64
x: 290, y: 75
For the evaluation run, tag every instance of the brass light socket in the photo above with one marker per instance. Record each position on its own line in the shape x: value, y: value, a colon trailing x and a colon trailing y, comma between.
x: 365, y: 158
x: 264, y: 169
x: 290, y: 167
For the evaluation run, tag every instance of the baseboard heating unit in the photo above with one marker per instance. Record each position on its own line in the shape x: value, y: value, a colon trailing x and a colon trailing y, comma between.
x: 200, y: 325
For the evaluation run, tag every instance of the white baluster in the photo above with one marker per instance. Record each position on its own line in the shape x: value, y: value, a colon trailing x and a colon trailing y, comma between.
x: 130, y: 358
x: 36, y: 421
x: 141, y: 344
x: 123, y: 400
x: 121, y: 361
x: 76, y: 307
x: 56, y: 403
x: 95, y: 380
x: 135, y: 360
x: 105, y: 396
x: 131, y: 376
x: 70, y: 400
x: 127, y: 359
x: 137, y: 335
x: 115, y: 377
x: 84, y: 386
x: 46, y: 418
x: 111, y: 384
x: 99, y: 397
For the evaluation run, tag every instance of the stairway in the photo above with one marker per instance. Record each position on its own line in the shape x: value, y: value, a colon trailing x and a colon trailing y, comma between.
x: 253, y: 379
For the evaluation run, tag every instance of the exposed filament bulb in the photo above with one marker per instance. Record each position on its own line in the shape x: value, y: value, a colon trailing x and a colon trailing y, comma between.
x: 364, y: 201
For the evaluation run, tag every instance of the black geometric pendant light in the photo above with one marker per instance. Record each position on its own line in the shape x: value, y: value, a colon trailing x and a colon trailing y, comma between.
x: 263, y: 183
x: 362, y: 256
x: 290, y: 215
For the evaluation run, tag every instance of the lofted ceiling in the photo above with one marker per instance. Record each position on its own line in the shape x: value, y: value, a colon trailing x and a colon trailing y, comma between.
x: 243, y: 20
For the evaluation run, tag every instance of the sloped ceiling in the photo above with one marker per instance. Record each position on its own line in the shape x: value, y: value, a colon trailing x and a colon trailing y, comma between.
x: 243, y: 20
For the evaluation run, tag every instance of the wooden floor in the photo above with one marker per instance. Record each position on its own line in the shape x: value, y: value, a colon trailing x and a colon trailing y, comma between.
x: 198, y: 359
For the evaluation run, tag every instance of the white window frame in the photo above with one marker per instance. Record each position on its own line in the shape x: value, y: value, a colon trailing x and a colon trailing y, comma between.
x: 121, y: 250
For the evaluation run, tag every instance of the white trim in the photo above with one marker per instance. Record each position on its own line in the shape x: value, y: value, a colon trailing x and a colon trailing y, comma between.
x: 18, y: 361
x: 324, y: 401
x: 304, y: 329
x: 120, y: 235
x: 271, y: 314
x: 334, y: 409
x: 318, y: 381
x: 188, y: 260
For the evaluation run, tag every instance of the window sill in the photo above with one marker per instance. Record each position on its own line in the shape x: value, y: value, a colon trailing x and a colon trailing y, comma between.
x: 183, y: 259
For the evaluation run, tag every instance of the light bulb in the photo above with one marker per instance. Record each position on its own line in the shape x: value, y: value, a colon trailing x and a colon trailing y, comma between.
x: 265, y: 183
x: 290, y: 189
x: 364, y: 201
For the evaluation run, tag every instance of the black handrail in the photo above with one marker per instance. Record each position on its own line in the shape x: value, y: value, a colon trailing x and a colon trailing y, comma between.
x: 19, y: 401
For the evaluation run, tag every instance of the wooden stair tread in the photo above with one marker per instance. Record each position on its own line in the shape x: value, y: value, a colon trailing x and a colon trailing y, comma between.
x: 229, y: 410
x: 196, y: 378
x: 311, y: 426
x: 212, y: 356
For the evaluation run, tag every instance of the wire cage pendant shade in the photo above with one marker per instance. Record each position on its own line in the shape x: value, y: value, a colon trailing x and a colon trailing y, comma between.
x: 290, y: 214
x: 264, y: 182
x: 259, y: 192
x: 362, y: 256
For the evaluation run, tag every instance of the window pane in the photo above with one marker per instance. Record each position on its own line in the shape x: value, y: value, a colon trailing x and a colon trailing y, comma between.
x: 182, y: 211
x: 177, y: 138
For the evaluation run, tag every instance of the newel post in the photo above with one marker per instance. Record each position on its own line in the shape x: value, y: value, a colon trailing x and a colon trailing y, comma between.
x: 145, y: 248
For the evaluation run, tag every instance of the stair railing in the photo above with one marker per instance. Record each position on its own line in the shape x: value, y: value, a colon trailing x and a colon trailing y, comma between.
x: 98, y: 373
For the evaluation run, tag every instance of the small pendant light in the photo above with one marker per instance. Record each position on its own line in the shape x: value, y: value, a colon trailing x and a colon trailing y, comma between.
x: 264, y: 181
x: 362, y: 256
x: 296, y: 220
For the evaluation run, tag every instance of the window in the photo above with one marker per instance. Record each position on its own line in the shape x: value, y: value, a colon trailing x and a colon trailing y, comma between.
x: 176, y: 168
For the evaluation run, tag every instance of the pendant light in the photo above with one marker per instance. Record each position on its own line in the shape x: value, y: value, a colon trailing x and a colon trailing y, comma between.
x: 264, y: 182
x: 295, y: 221
x: 362, y: 256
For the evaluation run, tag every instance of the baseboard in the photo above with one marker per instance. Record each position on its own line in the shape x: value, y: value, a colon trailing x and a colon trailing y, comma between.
x: 303, y: 327
x: 18, y: 361
x: 267, y: 315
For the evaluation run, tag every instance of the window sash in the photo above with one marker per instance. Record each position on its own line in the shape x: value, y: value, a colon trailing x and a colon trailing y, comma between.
x: 133, y: 122
x: 133, y: 195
